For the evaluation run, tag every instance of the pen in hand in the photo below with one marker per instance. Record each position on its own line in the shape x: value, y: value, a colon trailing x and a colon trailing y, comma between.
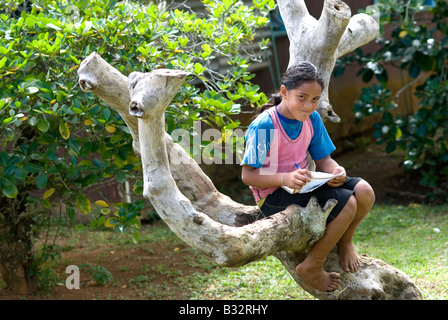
x: 298, y: 167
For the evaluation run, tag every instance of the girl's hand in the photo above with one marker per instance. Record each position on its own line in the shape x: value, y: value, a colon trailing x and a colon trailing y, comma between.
x: 297, y: 179
x: 338, y: 181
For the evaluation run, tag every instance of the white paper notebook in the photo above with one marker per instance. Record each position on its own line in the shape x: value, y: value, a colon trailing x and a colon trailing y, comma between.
x: 318, y: 179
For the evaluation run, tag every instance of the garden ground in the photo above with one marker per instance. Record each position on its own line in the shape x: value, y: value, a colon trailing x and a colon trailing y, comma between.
x: 161, y: 266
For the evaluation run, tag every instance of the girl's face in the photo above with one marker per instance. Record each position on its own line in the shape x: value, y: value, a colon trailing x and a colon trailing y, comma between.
x: 299, y: 103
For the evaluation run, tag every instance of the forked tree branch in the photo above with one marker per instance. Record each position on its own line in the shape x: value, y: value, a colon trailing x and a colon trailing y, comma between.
x: 229, y: 233
x: 323, y: 41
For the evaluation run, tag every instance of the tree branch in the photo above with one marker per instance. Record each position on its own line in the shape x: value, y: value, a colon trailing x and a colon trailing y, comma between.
x: 293, y: 11
x: 99, y: 77
x: 323, y: 41
x: 229, y: 233
x: 361, y: 29
x: 151, y: 94
x: 189, y: 177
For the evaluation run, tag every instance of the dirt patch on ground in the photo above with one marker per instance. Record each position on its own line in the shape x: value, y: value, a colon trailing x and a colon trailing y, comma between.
x: 147, y: 270
x: 385, y: 173
x: 153, y: 270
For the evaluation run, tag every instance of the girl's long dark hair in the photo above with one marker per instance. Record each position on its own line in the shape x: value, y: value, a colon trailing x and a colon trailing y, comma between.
x: 293, y: 78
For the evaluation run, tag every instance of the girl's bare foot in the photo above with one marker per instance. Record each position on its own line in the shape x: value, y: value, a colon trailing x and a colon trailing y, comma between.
x: 348, y: 258
x: 313, y: 273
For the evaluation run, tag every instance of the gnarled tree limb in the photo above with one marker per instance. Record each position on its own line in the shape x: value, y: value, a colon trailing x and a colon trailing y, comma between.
x: 190, y: 179
x: 150, y: 95
x: 229, y: 233
x: 323, y: 41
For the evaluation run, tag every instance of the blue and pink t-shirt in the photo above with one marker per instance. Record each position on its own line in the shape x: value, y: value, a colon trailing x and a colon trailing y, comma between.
x: 275, y: 143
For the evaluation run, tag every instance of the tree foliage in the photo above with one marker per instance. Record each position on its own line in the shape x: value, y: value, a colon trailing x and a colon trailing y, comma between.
x: 59, y: 144
x: 417, y: 45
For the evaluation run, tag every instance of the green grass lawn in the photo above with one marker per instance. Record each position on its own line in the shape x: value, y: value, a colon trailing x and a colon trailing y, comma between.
x: 411, y: 238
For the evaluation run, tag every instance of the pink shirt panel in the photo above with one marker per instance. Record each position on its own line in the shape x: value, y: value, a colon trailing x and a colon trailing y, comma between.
x: 284, y: 152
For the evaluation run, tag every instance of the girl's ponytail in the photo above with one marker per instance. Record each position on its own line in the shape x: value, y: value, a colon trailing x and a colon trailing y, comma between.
x: 275, y: 99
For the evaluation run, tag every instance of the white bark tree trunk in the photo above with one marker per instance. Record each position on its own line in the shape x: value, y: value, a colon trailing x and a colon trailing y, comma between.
x: 323, y: 41
x: 229, y: 233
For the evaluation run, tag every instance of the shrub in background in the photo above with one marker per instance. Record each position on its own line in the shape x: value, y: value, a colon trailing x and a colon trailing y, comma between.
x: 418, y: 45
x: 59, y: 144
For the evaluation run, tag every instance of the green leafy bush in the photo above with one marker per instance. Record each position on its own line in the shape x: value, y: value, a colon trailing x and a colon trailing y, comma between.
x: 60, y: 144
x: 417, y: 45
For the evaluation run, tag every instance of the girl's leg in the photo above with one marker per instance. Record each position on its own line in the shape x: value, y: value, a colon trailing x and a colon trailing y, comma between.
x: 365, y: 197
x: 311, y: 269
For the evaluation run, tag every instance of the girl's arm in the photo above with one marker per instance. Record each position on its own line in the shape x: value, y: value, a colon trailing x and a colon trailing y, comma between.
x: 254, y: 177
x: 329, y: 165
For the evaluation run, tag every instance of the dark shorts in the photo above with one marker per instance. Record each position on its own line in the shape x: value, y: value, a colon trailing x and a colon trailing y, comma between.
x: 280, y: 199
